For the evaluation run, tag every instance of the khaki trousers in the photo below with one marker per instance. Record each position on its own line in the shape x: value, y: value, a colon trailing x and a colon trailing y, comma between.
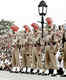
x: 36, y: 58
x: 15, y: 57
x: 65, y: 54
x: 25, y: 58
x: 50, y: 59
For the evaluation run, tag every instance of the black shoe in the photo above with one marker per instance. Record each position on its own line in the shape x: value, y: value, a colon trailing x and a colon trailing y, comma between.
x: 0, y: 68
x: 40, y: 73
x: 23, y: 71
x: 63, y: 75
x: 50, y: 71
x: 53, y: 75
x: 60, y: 71
x: 35, y: 71
x: 31, y: 71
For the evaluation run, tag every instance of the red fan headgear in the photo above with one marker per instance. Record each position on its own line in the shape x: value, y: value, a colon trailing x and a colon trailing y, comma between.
x: 49, y: 21
x: 14, y: 28
x: 35, y: 26
x: 26, y: 28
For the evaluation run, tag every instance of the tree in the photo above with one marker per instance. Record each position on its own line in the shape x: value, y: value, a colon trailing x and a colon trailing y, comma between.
x: 5, y: 25
x: 6, y: 22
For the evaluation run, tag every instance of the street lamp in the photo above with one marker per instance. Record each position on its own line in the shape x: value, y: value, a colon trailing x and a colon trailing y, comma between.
x: 42, y: 9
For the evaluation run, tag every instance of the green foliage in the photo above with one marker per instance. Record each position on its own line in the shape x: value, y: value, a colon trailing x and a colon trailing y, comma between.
x: 6, y: 23
x: 5, y: 26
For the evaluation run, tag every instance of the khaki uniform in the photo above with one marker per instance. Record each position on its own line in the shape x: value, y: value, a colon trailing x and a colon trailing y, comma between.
x: 36, y: 53
x: 25, y: 57
x: 65, y: 54
x: 36, y: 58
x: 15, y: 57
x: 64, y: 48
x: 25, y: 52
x: 50, y: 60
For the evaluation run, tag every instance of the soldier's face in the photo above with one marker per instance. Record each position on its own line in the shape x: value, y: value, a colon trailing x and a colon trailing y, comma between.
x: 35, y: 33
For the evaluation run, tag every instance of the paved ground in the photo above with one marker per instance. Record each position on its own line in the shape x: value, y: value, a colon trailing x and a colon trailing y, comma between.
x: 4, y: 75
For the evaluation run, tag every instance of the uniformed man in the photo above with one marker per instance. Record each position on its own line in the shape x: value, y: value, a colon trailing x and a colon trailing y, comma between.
x: 25, y: 51
x: 64, y: 58
x: 60, y: 63
x: 64, y: 50
x: 36, y: 54
x: 15, y: 57
x: 50, y: 59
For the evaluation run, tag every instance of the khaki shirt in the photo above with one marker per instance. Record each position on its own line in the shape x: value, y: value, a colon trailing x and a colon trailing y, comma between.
x: 35, y: 38
x: 50, y: 50
x: 26, y: 50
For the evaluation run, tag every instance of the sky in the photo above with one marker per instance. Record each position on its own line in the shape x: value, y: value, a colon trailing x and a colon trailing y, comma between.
x: 26, y: 11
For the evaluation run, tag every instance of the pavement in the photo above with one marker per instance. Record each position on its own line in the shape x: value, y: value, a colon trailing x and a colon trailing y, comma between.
x: 5, y: 75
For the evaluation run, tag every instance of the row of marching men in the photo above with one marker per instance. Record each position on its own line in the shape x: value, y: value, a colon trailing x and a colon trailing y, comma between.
x: 31, y: 53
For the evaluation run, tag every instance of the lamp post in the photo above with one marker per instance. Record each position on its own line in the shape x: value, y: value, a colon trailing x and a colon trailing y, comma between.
x: 42, y: 9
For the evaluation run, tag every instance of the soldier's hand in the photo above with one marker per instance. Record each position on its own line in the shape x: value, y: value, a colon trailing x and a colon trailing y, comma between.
x: 39, y: 53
